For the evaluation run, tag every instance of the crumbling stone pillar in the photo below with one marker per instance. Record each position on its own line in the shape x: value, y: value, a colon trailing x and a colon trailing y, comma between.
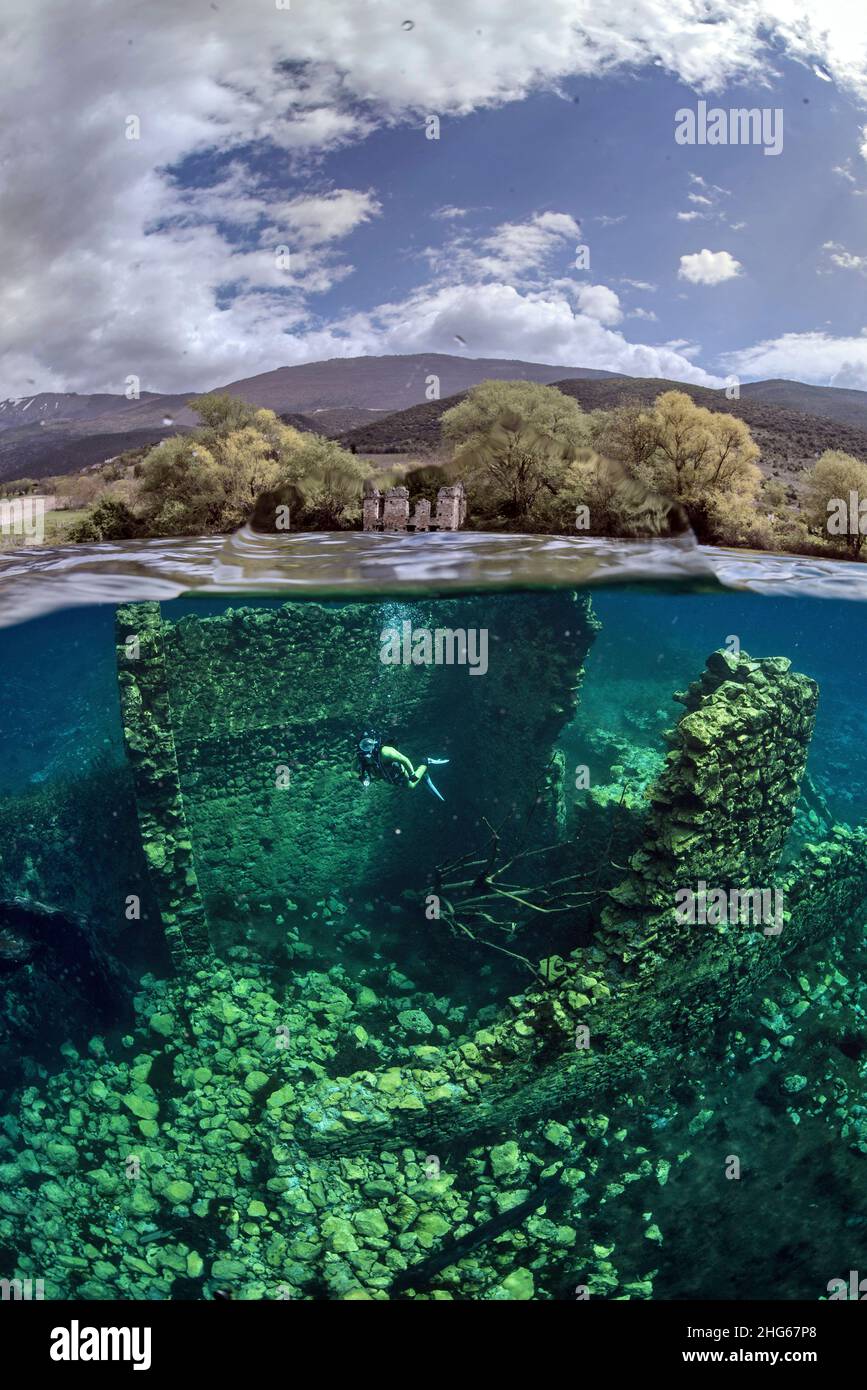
x: 149, y: 738
x: 451, y: 508
x: 396, y: 510
x: 421, y: 515
x: 371, y: 509
x: 722, y: 809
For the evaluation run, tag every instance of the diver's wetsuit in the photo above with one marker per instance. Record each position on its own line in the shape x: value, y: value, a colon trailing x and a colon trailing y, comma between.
x: 392, y: 766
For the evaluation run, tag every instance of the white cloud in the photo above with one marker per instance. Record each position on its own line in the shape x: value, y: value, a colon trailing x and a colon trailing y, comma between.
x: 709, y: 267
x: 109, y: 268
x: 691, y: 216
x: 599, y: 302
x: 519, y: 249
x: 496, y: 320
x: 843, y: 259
x: 815, y: 357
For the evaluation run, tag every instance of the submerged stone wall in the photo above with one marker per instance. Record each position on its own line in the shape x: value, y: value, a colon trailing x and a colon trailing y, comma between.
x: 723, y: 807
x: 743, y: 742
x: 149, y: 739
x: 242, y: 732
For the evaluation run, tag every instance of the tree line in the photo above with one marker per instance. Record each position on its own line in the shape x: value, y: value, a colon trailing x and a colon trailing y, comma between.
x: 530, y: 457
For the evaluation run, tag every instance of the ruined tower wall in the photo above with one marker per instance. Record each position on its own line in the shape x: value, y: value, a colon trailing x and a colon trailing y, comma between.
x: 261, y: 708
x: 723, y: 807
x: 732, y: 744
x: 149, y: 738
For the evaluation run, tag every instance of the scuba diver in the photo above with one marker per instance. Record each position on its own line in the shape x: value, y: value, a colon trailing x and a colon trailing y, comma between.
x: 380, y: 760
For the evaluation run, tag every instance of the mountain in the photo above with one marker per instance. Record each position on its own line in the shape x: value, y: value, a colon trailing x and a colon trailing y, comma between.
x: 847, y: 407
x: 32, y: 452
x: 379, y: 404
x: 387, y: 383
x: 790, y: 440
x: 54, y: 433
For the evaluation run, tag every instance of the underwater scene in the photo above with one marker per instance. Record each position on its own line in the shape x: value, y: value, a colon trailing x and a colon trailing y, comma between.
x: 476, y: 943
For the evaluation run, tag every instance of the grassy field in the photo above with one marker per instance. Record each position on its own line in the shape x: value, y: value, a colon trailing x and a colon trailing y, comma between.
x: 57, y: 527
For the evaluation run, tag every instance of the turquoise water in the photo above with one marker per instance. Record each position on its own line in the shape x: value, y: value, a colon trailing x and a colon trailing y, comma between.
x: 330, y: 1100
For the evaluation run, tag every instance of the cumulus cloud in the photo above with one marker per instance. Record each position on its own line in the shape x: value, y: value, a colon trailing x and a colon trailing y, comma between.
x: 816, y: 357
x: 516, y: 250
x: 843, y: 259
x: 599, y: 302
x: 709, y: 267
x: 495, y: 320
x: 135, y: 271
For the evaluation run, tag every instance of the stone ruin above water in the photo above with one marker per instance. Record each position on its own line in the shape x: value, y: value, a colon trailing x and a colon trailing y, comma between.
x: 391, y: 511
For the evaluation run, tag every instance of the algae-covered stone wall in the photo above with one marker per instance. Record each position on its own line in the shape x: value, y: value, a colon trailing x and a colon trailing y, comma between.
x: 242, y: 730
x: 723, y: 807
x: 742, y: 745
x: 149, y: 739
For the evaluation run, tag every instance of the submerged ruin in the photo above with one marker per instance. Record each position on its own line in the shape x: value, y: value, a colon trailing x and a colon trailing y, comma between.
x: 214, y: 707
x: 365, y: 1044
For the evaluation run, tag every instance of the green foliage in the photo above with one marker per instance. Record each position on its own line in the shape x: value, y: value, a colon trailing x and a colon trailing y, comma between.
x: 600, y: 497
x: 209, y: 481
x: 512, y: 442
x: 425, y: 482
x: 181, y: 489
x: 703, y: 459
x: 19, y: 487
x: 221, y: 413
x: 829, y: 484
x: 109, y: 520
x: 331, y: 481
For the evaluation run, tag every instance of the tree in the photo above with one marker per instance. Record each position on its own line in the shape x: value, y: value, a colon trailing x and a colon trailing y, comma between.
x: 221, y: 413
x: 699, y: 450
x: 513, y: 440
x: 181, y: 489
x: 209, y: 481
x: 331, y: 482
x: 425, y: 481
x: 601, y: 497
x: 699, y: 455
x: 248, y: 465
x: 829, y: 486
x: 628, y: 434
x: 110, y: 520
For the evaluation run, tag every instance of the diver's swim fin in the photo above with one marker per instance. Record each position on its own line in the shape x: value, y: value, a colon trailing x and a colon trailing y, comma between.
x: 429, y: 783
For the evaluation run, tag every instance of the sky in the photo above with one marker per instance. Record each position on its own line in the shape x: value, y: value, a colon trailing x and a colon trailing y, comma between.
x: 194, y: 191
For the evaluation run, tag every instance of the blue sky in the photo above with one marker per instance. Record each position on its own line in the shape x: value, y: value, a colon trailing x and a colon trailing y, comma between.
x: 255, y: 129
